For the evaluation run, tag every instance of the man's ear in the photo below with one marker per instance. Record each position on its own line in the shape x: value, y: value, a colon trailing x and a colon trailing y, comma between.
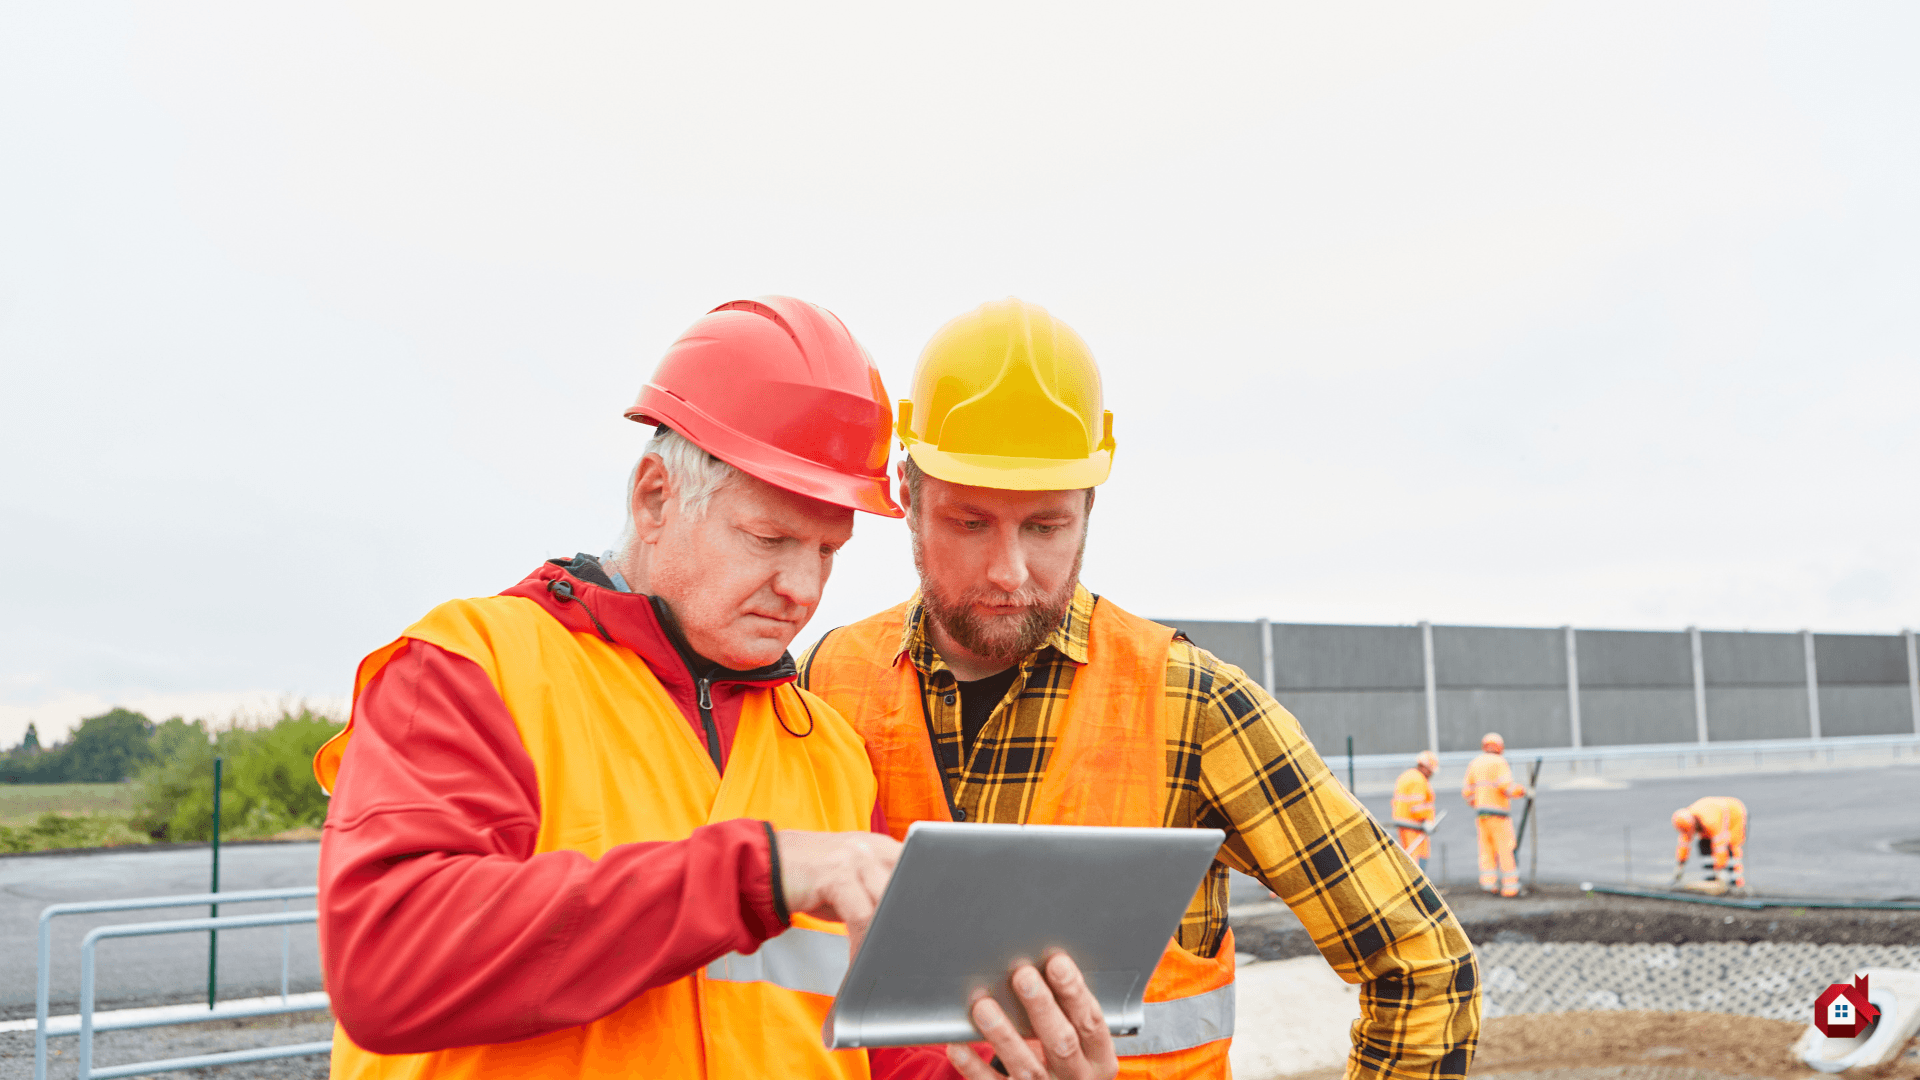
x: 652, y: 491
x: 906, y: 493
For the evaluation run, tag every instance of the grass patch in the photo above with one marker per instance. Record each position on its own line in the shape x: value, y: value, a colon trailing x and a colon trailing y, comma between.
x: 53, y: 830
x: 22, y: 804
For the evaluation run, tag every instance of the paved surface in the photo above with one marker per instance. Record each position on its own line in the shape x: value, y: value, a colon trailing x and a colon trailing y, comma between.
x: 151, y: 1044
x: 157, y: 970
x: 1825, y: 833
x: 1777, y: 982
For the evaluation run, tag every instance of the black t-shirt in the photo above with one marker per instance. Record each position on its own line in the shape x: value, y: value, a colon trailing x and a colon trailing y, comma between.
x: 978, y: 699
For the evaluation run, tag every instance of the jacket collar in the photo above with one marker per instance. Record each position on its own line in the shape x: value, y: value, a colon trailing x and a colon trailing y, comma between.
x: 578, y: 593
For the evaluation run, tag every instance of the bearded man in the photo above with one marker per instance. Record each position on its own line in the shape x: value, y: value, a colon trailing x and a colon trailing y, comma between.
x: 1005, y: 691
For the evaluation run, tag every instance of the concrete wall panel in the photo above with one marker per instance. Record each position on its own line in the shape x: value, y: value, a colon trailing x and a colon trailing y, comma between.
x: 1738, y: 713
x: 1238, y: 643
x: 1489, y: 656
x: 1381, y: 722
x: 1634, y: 658
x: 1525, y: 718
x: 1859, y: 659
x: 1865, y: 710
x: 1619, y: 716
x: 1741, y: 659
x: 1313, y: 657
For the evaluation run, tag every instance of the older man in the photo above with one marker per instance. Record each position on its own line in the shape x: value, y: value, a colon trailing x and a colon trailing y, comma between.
x: 1005, y: 691
x: 589, y: 827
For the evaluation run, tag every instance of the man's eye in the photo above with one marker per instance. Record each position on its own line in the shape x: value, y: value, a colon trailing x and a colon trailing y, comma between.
x: 973, y: 526
x: 770, y: 541
x: 1045, y: 530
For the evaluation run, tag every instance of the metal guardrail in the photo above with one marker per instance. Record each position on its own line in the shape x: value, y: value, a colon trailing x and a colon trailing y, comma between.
x: 88, y: 948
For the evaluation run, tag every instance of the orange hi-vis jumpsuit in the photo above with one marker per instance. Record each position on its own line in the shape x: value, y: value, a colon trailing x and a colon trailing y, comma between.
x: 1412, y: 810
x: 1722, y: 825
x: 1489, y: 786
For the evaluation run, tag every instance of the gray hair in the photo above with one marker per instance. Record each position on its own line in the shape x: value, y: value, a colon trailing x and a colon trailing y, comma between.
x: 696, y: 477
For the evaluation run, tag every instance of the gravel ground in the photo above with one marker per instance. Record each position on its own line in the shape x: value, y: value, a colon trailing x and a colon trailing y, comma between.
x: 185, y: 1040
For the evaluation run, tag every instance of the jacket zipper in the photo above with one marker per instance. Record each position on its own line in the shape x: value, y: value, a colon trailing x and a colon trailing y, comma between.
x: 705, y: 686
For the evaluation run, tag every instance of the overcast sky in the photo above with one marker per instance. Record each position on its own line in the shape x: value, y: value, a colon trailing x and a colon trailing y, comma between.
x: 314, y: 316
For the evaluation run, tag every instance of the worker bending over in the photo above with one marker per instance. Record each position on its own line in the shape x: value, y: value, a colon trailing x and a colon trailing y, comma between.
x: 1004, y: 691
x: 1719, y: 824
x: 1413, y: 806
x: 1489, y: 787
x: 589, y: 827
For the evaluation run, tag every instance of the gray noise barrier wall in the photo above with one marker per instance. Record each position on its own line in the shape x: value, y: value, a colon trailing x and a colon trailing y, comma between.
x: 1634, y: 687
x: 1863, y: 684
x: 1756, y: 686
x: 1497, y: 679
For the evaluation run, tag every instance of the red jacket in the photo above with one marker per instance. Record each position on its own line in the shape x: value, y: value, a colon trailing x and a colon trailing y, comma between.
x: 440, y: 927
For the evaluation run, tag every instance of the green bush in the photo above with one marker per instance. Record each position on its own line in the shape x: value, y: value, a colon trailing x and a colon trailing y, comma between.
x: 54, y: 830
x: 266, y: 786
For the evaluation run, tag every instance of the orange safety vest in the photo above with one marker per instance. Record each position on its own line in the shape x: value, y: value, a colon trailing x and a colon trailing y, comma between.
x: 617, y: 764
x: 1108, y: 767
x: 1489, y: 784
x: 1412, y: 800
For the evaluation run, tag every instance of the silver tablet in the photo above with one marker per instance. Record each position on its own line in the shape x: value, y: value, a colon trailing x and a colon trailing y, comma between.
x: 967, y: 902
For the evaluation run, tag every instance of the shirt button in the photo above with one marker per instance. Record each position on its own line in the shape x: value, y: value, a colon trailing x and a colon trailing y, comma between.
x: 948, y: 699
x: 959, y: 814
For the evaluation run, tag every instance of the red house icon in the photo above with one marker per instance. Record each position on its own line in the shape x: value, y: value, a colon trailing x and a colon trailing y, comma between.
x: 1842, y: 1010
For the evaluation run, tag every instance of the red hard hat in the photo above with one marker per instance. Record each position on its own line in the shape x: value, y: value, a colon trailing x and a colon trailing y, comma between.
x: 779, y: 389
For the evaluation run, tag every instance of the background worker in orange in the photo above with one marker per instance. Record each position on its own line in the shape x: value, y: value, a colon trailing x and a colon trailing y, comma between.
x: 1488, y: 788
x: 589, y: 827
x: 1413, y: 806
x: 1005, y: 691
x: 1719, y: 824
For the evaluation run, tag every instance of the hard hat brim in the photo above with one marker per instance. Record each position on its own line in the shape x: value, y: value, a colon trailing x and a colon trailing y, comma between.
x: 775, y: 466
x: 1013, y: 473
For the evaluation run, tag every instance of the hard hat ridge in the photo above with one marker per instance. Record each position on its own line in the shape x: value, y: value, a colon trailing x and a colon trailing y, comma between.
x: 779, y: 389
x: 1008, y: 396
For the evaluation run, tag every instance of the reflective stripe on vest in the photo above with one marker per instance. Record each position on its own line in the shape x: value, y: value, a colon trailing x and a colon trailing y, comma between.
x: 1108, y: 767
x: 810, y: 961
x: 1181, y: 1024
x: 617, y: 764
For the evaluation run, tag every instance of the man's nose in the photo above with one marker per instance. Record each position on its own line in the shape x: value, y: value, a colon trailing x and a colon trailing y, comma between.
x: 800, y: 581
x: 1007, y: 568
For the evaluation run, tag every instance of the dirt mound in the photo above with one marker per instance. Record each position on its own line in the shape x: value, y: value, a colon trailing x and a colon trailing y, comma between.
x: 1646, y: 1046
x: 1564, y: 913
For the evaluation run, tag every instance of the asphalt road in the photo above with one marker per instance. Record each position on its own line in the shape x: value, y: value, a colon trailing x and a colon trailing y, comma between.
x: 1827, y: 833
x: 155, y: 970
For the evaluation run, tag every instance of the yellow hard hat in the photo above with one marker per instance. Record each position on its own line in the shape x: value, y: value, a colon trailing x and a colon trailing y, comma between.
x: 1492, y: 741
x: 1683, y: 819
x: 1007, y: 396
x: 1429, y: 759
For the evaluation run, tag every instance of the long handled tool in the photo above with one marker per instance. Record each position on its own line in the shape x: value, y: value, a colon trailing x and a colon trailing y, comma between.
x: 1532, y: 778
x: 1408, y: 846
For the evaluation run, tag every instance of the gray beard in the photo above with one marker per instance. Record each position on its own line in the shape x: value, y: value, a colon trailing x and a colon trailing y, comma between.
x: 1004, y: 641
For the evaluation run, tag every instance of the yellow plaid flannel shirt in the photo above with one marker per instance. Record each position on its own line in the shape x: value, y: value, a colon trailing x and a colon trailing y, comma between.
x: 1238, y: 761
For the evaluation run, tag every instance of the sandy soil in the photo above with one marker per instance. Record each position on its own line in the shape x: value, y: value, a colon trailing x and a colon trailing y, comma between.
x: 1646, y: 1046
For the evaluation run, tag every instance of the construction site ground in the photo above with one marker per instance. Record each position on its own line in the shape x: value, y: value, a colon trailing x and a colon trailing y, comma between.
x: 1563, y: 913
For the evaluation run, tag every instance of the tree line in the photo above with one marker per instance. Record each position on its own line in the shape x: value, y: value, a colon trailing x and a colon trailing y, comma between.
x: 267, y: 784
